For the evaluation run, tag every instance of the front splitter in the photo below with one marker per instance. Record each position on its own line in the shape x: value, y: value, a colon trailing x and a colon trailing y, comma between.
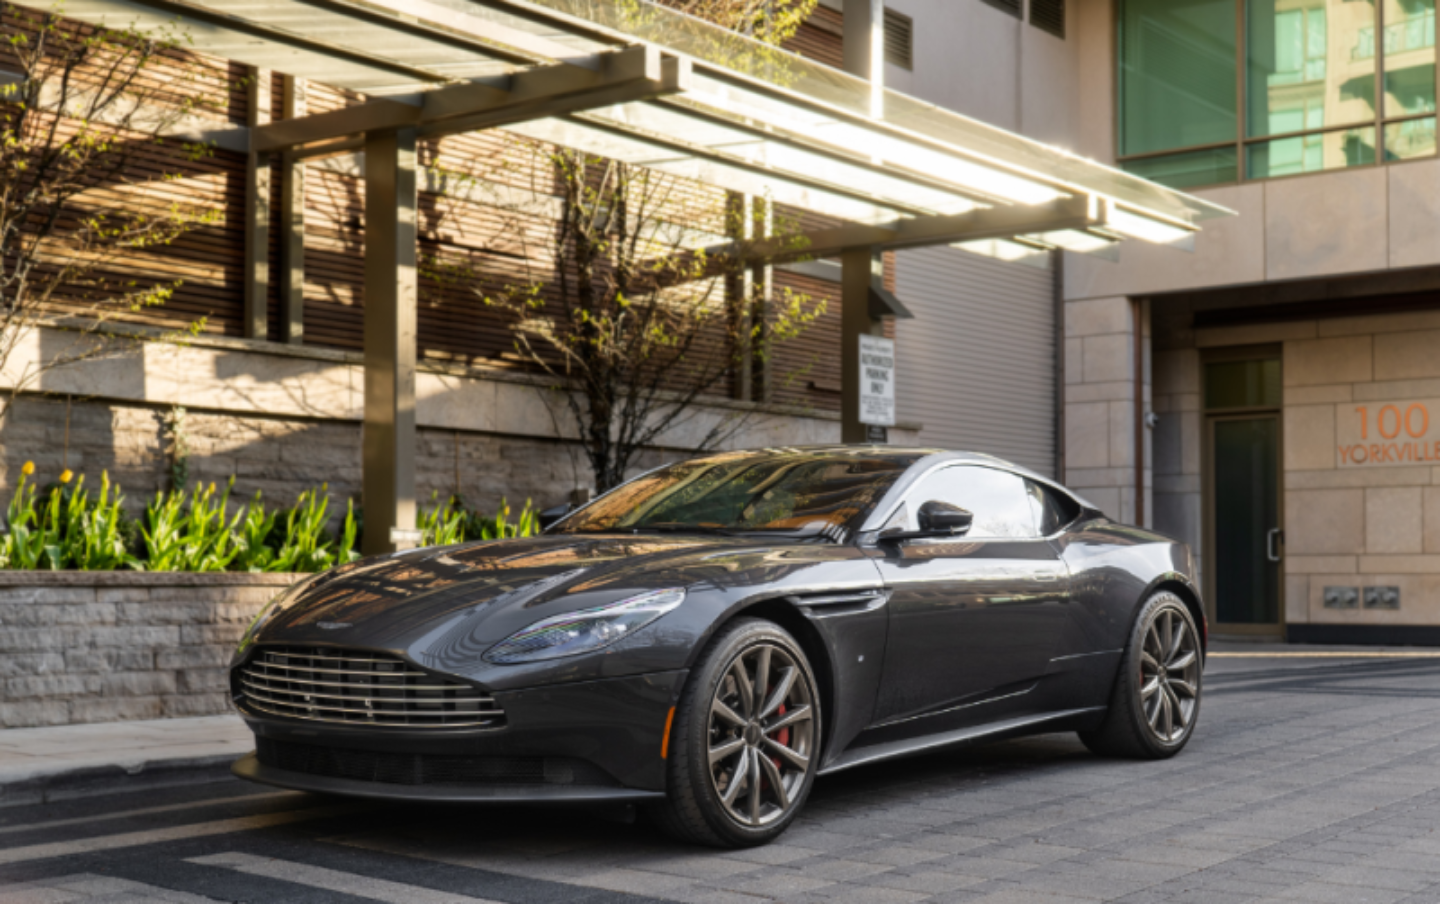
x: 250, y: 768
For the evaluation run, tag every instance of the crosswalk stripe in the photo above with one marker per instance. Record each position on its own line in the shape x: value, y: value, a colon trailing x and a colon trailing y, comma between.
x: 171, y: 833
x: 147, y: 811
x: 334, y: 880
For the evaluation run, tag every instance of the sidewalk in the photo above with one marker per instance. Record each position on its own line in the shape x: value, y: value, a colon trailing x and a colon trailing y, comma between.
x: 38, y: 765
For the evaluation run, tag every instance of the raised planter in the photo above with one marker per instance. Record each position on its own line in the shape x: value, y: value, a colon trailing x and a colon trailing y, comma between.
x: 107, y: 646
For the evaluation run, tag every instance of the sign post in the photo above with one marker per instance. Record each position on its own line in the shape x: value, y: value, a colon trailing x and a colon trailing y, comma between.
x: 877, y: 386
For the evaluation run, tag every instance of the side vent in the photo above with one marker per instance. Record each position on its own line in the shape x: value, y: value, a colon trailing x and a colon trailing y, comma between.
x: 1005, y: 6
x: 846, y: 602
x: 899, y: 40
x: 1049, y: 16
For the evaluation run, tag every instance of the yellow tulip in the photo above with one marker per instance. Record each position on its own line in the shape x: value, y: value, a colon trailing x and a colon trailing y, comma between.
x: 28, y: 468
x: 66, y: 475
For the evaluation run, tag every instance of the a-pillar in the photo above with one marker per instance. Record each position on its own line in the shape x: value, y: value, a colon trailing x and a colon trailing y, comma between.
x: 864, y: 46
x: 390, y: 302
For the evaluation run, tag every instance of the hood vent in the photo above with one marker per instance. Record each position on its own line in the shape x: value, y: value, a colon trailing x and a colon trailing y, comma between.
x: 359, y: 687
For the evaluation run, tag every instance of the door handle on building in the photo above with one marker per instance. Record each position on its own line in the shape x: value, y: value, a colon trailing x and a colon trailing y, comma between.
x: 1272, y: 549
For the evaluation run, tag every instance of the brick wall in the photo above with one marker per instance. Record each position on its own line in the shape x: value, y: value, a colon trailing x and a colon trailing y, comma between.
x: 104, y: 647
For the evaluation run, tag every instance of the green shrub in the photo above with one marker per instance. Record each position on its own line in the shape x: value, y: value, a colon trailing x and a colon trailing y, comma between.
x: 67, y: 527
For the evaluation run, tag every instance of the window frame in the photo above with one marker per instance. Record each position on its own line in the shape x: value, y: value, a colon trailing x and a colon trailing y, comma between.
x: 1243, y: 142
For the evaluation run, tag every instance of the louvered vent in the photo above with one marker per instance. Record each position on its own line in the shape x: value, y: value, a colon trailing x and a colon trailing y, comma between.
x: 1005, y: 6
x: 899, y: 40
x: 1048, y: 15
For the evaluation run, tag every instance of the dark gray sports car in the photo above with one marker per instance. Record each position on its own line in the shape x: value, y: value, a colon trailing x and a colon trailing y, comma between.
x: 708, y: 638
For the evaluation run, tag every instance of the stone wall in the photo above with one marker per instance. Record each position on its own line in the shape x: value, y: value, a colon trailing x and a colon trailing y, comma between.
x: 1099, y: 415
x: 277, y: 456
x: 1353, y: 520
x: 109, y: 646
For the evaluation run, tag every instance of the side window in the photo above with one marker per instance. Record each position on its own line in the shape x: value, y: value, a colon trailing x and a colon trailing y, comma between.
x: 1052, y: 510
x: 999, y: 500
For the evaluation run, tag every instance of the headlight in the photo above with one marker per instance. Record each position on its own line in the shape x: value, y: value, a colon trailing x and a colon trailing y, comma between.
x: 584, y: 631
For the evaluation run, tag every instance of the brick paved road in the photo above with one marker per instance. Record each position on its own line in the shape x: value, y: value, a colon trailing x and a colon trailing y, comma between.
x: 1310, y: 779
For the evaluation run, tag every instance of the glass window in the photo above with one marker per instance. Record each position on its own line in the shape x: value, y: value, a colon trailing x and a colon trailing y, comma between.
x: 1409, y: 59
x: 1187, y: 170
x: 1307, y: 65
x: 1242, y: 384
x: 1411, y: 138
x: 1177, y: 74
x: 999, y: 501
x: 1052, y: 510
x: 1310, y: 153
x: 1309, y: 73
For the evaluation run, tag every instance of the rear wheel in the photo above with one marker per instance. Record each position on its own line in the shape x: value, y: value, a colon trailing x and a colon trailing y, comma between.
x: 745, y: 742
x: 1156, y: 698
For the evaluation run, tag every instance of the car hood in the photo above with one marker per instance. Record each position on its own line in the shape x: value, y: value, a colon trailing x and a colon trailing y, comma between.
x: 391, y: 601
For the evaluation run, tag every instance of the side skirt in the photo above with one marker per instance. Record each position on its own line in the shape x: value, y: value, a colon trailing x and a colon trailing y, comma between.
x: 993, y: 731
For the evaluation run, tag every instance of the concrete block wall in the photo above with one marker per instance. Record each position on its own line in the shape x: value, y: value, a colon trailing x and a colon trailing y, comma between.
x: 79, y: 647
x: 1100, y: 423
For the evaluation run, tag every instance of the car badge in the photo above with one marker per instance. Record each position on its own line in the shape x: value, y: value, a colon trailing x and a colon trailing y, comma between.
x: 334, y: 625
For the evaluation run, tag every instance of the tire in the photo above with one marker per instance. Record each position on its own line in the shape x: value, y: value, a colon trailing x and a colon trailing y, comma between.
x: 723, y: 805
x: 1156, y: 698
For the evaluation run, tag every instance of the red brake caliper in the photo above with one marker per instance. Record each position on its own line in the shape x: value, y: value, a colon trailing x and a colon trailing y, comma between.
x: 782, y: 737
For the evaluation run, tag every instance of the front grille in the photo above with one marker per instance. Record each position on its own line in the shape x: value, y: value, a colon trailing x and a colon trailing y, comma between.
x: 429, y: 768
x: 358, y: 687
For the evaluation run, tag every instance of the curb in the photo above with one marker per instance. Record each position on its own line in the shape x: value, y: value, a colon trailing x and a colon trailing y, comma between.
x: 30, y: 788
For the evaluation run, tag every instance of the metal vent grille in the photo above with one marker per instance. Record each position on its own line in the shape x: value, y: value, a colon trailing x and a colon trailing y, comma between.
x: 428, y: 768
x: 358, y: 687
x: 899, y: 40
x: 1005, y: 6
x: 1048, y: 15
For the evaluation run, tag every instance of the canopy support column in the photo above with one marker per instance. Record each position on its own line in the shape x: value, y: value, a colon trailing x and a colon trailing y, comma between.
x: 864, y: 47
x: 292, y: 225
x: 855, y: 321
x: 257, y: 211
x: 390, y: 339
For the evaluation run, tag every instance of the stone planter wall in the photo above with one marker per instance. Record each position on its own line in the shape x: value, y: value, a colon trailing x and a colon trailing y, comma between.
x: 109, y: 646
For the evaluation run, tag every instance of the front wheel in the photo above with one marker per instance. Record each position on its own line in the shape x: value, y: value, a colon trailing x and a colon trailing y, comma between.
x: 1156, y: 698
x: 745, y: 742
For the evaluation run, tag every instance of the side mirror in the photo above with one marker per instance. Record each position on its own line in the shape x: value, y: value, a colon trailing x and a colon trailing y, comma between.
x: 943, y: 518
x: 551, y: 515
x: 936, y: 519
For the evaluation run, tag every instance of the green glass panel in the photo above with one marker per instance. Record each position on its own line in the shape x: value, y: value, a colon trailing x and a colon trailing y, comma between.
x: 1188, y: 170
x: 1310, y: 153
x: 1409, y: 49
x: 1242, y: 384
x: 1411, y: 138
x: 1177, y: 74
x: 1309, y: 64
x: 1247, y: 583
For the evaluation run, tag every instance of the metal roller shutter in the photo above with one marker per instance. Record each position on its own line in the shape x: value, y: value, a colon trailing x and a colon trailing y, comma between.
x: 976, y: 366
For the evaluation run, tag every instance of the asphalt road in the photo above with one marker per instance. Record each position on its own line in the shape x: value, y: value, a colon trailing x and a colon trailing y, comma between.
x: 1311, y: 779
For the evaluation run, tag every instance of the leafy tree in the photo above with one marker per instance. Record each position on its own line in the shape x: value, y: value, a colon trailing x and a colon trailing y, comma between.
x: 85, y: 147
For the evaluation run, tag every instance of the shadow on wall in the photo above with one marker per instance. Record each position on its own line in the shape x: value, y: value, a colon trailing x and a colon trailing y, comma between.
x: 279, y: 458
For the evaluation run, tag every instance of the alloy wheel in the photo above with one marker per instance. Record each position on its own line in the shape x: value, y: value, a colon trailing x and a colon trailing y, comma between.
x: 761, y: 735
x: 1169, y: 674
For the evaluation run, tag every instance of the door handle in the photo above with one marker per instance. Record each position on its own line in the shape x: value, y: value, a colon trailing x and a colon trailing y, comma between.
x: 1272, y: 549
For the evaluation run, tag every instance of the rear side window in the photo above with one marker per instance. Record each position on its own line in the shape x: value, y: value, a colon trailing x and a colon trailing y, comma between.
x: 1053, y: 510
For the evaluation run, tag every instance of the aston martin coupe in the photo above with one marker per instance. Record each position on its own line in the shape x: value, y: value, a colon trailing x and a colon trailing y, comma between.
x: 707, y: 639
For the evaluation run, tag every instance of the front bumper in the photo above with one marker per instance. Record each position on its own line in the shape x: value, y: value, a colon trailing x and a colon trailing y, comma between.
x: 586, y: 742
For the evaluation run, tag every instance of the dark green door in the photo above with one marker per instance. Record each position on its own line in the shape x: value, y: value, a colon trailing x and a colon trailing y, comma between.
x: 1245, y: 457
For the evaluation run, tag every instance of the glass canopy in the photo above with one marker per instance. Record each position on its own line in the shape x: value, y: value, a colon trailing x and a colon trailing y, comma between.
x: 751, y: 118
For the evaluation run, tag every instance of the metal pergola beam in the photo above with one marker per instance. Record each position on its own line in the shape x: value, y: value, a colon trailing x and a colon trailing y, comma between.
x: 632, y: 74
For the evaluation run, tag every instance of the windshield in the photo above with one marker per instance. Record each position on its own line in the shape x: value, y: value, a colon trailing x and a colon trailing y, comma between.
x: 797, y: 493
